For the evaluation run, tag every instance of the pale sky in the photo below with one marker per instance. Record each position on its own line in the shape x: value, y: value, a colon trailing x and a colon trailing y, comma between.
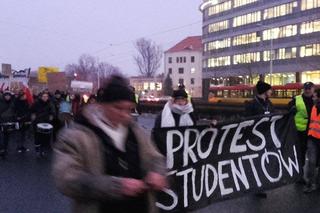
x: 37, y: 33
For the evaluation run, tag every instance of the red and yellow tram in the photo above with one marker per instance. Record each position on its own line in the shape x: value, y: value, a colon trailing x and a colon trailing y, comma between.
x: 239, y: 94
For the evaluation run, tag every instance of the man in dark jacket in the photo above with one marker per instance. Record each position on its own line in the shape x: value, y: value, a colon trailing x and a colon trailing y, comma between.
x: 301, y: 105
x: 22, y: 110
x: 43, y: 111
x: 260, y: 104
x: 104, y: 161
x: 7, y: 117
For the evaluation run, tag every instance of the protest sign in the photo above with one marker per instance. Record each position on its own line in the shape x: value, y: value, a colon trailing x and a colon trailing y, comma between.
x: 210, y: 164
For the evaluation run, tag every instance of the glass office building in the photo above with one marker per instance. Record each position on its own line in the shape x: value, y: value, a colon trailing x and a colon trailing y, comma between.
x: 248, y: 40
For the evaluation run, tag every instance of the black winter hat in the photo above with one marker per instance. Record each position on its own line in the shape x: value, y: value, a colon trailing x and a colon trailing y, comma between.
x: 262, y: 87
x: 117, y: 88
x: 179, y: 93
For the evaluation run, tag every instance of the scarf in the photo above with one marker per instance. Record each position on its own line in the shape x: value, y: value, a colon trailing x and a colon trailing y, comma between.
x: 167, y: 119
x: 117, y: 134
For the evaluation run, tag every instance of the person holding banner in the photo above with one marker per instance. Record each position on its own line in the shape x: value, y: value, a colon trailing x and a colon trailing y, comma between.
x: 302, y: 105
x: 104, y: 161
x: 313, y: 152
x: 177, y: 112
x: 261, y: 104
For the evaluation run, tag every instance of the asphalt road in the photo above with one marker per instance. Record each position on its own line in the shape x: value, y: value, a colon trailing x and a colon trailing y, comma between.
x: 26, y: 186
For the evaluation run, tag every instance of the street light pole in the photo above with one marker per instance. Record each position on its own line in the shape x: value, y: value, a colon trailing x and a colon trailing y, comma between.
x: 271, y: 57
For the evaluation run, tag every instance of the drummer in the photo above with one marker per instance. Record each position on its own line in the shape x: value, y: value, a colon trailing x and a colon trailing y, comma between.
x: 22, y: 110
x: 7, y: 116
x: 43, y: 111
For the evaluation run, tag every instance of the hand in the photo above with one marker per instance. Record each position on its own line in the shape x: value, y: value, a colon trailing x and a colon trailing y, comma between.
x: 156, y: 181
x: 33, y: 117
x: 132, y: 187
x: 214, y: 122
x: 50, y: 118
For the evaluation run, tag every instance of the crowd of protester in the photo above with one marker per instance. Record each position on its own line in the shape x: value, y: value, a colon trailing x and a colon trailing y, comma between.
x: 43, y: 115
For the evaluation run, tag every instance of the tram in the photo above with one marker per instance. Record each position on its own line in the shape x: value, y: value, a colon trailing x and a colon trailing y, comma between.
x: 239, y: 94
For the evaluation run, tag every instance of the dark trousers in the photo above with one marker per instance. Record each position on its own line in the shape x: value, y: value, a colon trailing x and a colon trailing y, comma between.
x: 4, y: 139
x: 303, y: 145
x: 313, y: 156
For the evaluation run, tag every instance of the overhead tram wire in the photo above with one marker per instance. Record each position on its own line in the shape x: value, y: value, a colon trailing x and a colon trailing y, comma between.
x: 150, y: 35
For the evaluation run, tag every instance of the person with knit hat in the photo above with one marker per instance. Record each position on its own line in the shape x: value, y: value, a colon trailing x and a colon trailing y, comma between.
x: 177, y: 112
x: 260, y: 104
x: 104, y: 161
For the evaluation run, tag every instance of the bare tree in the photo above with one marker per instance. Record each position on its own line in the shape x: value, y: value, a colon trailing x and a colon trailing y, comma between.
x: 89, y: 69
x: 148, y: 58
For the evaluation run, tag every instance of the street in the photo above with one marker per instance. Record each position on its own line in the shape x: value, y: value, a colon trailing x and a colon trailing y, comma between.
x: 26, y: 186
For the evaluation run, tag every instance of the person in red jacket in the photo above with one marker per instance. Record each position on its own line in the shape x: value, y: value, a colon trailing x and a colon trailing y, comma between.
x: 313, y: 144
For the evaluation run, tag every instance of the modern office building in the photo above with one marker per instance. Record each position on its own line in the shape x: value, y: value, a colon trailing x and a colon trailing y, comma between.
x: 248, y: 40
x: 183, y: 62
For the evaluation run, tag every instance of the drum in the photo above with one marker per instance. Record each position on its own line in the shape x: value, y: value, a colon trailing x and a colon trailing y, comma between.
x: 9, y: 126
x: 44, y: 128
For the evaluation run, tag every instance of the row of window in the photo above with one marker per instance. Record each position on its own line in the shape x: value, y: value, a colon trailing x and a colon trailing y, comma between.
x: 281, y: 10
x: 219, y: 8
x: 274, y: 33
x: 273, y: 12
x: 181, y: 70
x: 277, y: 11
x: 277, y: 54
x: 181, y: 81
x: 182, y: 59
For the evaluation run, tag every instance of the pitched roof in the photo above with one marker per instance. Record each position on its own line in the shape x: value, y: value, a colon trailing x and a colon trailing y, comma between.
x: 192, y: 43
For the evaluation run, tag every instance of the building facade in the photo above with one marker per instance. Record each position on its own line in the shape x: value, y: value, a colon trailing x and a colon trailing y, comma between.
x: 274, y: 40
x: 183, y: 62
x: 147, y: 87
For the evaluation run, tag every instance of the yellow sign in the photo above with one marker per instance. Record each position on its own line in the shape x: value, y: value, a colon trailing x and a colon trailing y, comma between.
x: 43, y: 71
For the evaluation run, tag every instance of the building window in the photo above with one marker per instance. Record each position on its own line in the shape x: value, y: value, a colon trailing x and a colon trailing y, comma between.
x: 280, y: 54
x: 280, y: 10
x: 246, y: 58
x: 313, y: 76
x: 280, y: 32
x: 177, y: 60
x: 192, y: 81
x: 192, y: 59
x: 246, y: 39
x: 219, y: 44
x: 219, y: 8
x: 247, y: 19
x: 310, y: 27
x: 181, y: 70
x: 152, y: 86
x: 310, y: 50
x: 170, y: 71
x: 309, y: 4
x: 184, y: 59
x: 170, y: 60
x: 219, y: 62
x: 215, y: 27
x: 146, y: 86
x: 239, y: 3
x: 193, y: 70
x: 181, y: 81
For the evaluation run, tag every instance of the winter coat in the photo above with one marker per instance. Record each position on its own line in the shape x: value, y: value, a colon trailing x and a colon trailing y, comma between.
x: 44, y: 111
x: 258, y: 106
x: 79, y: 165
x: 7, y: 112
x: 22, y: 110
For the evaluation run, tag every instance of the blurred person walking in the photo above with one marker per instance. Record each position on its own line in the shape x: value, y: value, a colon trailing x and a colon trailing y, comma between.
x: 104, y: 161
